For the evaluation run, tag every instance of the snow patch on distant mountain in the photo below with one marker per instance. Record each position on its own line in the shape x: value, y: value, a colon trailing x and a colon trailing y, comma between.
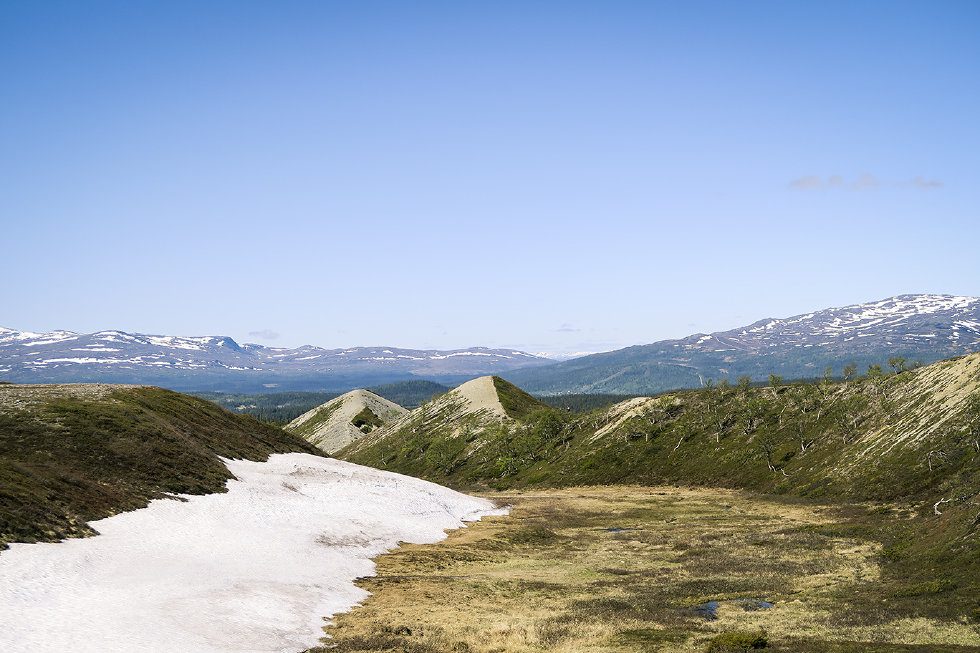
x: 563, y: 355
x: 906, y: 317
x: 921, y: 328
x: 111, y: 355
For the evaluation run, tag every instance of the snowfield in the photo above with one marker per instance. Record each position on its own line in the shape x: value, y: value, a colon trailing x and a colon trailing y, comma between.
x: 255, y: 569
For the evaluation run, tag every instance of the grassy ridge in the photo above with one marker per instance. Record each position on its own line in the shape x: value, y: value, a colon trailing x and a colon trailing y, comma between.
x: 875, y: 438
x: 67, y: 457
x: 517, y: 404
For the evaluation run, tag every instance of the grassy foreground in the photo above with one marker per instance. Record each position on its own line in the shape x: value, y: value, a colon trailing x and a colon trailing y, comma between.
x: 637, y: 568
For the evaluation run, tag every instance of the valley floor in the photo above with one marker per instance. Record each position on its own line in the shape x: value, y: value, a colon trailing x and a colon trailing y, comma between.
x: 602, y: 569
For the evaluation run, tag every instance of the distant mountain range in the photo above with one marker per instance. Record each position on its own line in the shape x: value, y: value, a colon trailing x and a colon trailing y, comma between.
x: 921, y: 328
x: 220, y: 363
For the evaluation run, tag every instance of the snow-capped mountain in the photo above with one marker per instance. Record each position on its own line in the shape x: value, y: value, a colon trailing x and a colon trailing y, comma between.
x: 913, y: 321
x: 220, y: 362
x: 921, y: 328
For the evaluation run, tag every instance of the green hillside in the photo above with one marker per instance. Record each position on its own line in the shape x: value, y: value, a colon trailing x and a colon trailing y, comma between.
x: 433, y: 441
x: 649, y: 369
x: 880, y: 436
x: 909, y: 441
x: 72, y: 454
x: 517, y: 404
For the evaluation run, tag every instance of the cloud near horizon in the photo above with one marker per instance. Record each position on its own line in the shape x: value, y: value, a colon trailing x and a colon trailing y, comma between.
x: 264, y: 334
x: 923, y: 183
x: 866, y: 181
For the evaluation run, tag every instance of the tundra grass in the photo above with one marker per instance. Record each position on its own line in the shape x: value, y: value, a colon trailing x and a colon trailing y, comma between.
x: 629, y: 569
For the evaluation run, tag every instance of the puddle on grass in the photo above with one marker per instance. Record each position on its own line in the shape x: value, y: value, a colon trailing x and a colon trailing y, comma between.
x: 752, y: 605
x: 619, y: 529
x: 709, y: 610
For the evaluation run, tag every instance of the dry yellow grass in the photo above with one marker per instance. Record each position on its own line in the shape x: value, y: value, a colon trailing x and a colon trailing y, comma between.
x: 625, y: 569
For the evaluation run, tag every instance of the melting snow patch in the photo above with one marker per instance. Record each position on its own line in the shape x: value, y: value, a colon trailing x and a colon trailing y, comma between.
x: 255, y: 569
x: 174, y: 342
x: 464, y: 353
x: 90, y: 361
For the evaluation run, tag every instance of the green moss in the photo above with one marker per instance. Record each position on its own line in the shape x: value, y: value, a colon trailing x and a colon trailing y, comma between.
x: 366, y: 420
x: 532, y: 535
x: 737, y: 642
x: 935, y: 586
x: 648, y: 637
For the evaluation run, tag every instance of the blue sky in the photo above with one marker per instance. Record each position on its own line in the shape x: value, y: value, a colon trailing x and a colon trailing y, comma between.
x: 552, y: 176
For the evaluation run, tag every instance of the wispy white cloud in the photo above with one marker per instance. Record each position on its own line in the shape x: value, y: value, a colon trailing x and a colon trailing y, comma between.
x: 926, y: 184
x: 807, y: 183
x: 865, y: 181
x: 264, y: 334
x: 567, y: 328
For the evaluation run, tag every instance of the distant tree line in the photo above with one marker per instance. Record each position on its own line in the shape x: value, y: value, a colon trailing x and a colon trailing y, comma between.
x: 275, y: 407
x: 284, y: 407
x: 583, y: 403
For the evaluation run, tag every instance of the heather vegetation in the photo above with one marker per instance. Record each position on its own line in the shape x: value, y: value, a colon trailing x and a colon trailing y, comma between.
x: 73, y: 454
